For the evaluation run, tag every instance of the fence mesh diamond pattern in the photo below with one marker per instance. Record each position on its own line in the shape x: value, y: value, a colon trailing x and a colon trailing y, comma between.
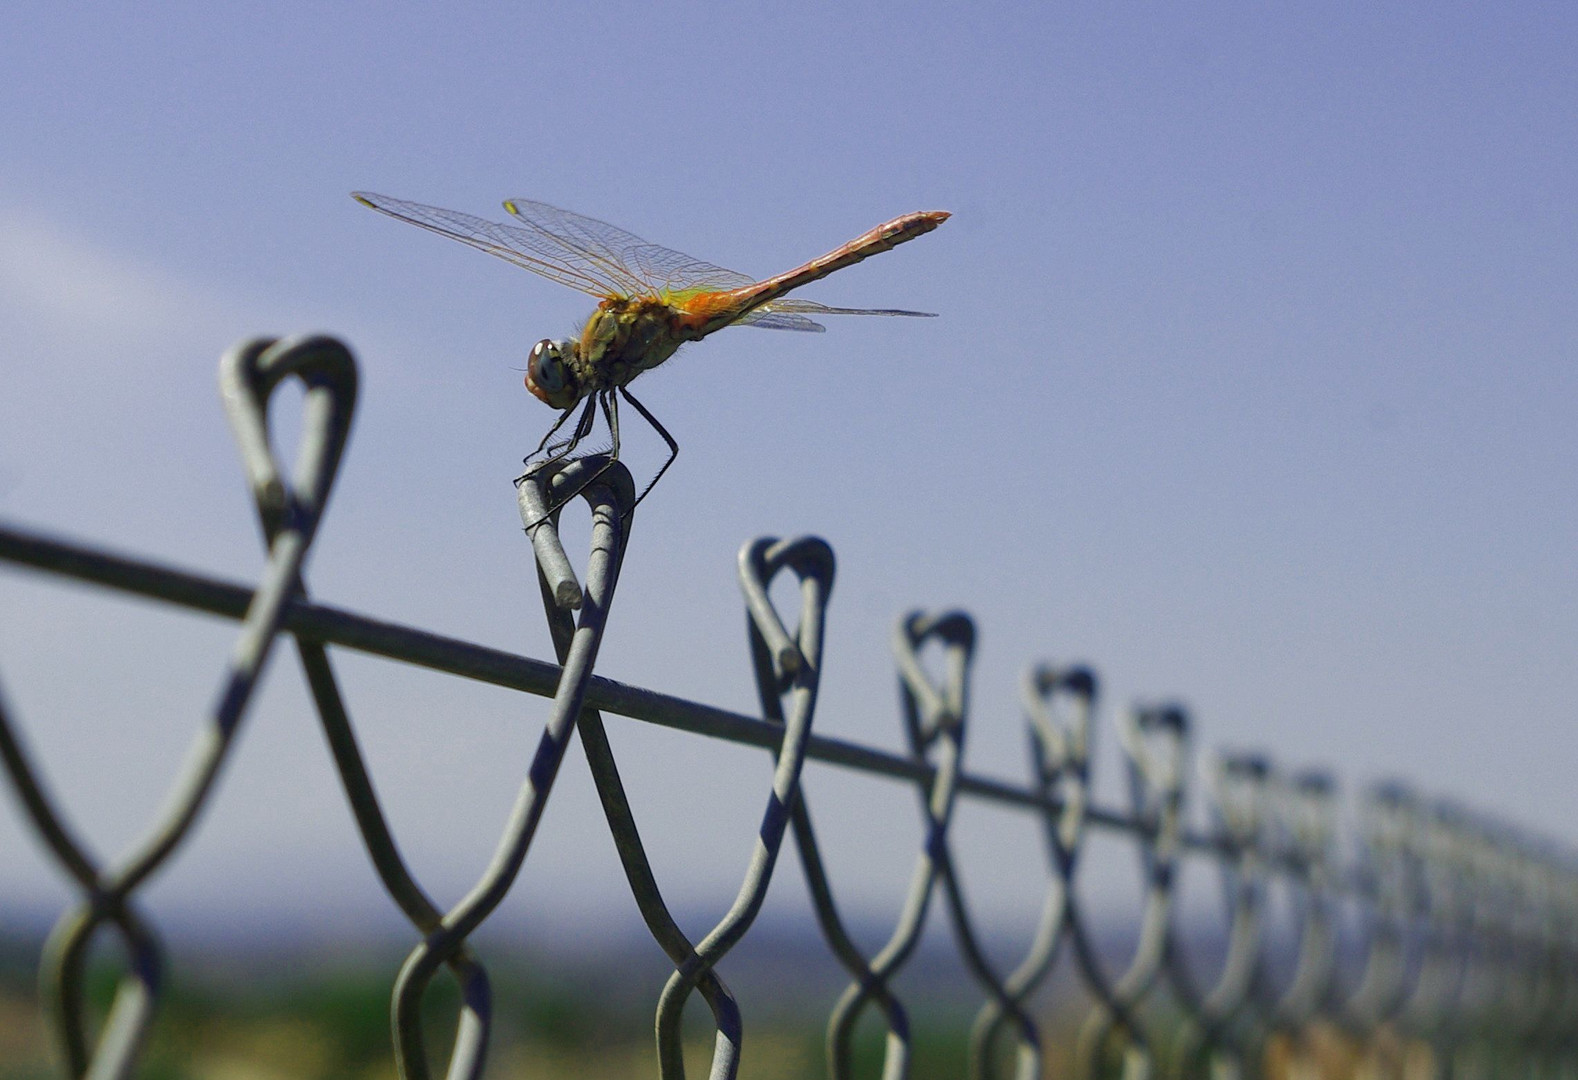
x: 1470, y: 942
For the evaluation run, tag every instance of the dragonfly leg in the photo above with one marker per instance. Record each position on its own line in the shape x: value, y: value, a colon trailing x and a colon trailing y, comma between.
x: 673, y: 447
x: 611, y: 413
x: 609, y: 405
x: 554, y: 452
x: 557, y: 424
x: 583, y: 428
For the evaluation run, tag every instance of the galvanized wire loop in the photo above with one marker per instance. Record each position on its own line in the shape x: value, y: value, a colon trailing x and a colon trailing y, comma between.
x: 935, y: 717
x: 1308, y: 812
x: 249, y: 374
x: 934, y: 721
x: 1060, y: 752
x: 248, y: 377
x: 759, y: 561
x: 812, y: 561
x: 644, y: 888
x: 930, y: 710
x: 779, y: 660
x: 63, y: 962
x: 1154, y: 742
x: 1240, y: 784
x: 1155, y: 745
x: 541, y: 495
x: 610, y: 498
x: 1388, y: 880
x: 1060, y: 756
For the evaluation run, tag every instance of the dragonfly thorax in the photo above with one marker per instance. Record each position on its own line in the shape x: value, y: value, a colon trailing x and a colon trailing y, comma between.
x: 625, y: 337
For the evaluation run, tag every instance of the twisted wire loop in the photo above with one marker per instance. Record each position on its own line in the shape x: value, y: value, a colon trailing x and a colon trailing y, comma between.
x: 1060, y: 763
x: 610, y: 495
x: 934, y: 718
x: 1306, y: 810
x: 1206, y: 1038
x: 786, y: 667
x: 290, y: 512
x: 561, y: 593
x: 774, y: 656
x: 247, y: 380
x: 1388, y: 875
x: 925, y: 723
x: 1155, y: 745
x: 1428, y: 1012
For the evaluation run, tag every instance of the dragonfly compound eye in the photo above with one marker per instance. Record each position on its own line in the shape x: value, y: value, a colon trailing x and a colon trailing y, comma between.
x: 549, y: 377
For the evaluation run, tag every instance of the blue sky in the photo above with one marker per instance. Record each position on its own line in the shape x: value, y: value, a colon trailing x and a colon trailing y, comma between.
x: 1253, y: 386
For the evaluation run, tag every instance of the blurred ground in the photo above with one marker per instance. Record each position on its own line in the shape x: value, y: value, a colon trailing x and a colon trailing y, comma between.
x: 309, y: 1017
x: 328, y: 1017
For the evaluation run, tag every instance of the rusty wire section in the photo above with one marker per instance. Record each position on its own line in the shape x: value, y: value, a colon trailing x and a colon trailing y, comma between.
x: 1470, y: 933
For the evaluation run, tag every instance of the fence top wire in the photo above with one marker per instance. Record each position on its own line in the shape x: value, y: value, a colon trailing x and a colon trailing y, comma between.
x: 1471, y: 928
x: 328, y: 625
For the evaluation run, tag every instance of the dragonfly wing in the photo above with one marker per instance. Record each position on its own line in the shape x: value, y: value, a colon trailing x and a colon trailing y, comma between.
x: 643, y: 266
x: 516, y: 245
x: 789, y: 313
x: 779, y: 320
x: 792, y: 304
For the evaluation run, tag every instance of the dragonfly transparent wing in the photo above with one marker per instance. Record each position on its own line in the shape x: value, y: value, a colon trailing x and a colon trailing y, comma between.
x: 790, y: 313
x: 521, y: 246
x: 646, y: 268
x: 601, y: 259
x: 811, y: 307
x: 767, y: 318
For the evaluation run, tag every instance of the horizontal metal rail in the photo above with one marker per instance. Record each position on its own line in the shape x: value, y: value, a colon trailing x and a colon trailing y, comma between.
x: 376, y: 637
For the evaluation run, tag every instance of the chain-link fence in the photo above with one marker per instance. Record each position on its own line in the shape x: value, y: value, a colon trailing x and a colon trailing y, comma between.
x: 1469, y: 950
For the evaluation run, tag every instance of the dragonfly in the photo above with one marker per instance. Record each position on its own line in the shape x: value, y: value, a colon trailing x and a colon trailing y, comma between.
x: 651, y: 300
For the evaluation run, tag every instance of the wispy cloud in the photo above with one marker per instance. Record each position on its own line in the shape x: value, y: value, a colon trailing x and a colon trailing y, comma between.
x: 76, y: 289
x: 103, y: 351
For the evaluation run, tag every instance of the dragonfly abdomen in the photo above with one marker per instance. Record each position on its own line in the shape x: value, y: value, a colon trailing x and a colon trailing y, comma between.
x: 711, y: 311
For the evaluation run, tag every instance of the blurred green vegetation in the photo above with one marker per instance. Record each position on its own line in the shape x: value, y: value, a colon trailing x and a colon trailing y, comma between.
x: 304, y: 1015
x: 330, y: 1019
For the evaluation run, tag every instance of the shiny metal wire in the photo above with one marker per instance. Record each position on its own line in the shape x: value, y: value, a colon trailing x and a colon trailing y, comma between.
x: 1470, y: 944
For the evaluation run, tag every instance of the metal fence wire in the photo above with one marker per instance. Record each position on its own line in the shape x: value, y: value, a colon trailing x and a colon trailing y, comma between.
x: 1470, y: 943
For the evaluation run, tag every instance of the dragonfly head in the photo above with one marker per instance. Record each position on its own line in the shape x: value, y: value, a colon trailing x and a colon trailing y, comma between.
x: 550, y: 376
